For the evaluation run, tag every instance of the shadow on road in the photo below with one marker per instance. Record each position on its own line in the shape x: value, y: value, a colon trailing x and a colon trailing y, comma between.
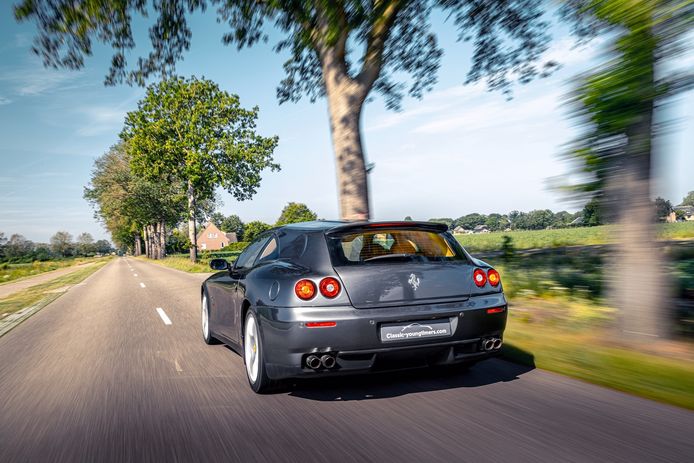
x: 394, y: 384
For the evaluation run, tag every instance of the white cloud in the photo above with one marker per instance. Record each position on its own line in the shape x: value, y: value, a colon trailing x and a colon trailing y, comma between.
x: 32, y: 79
x: 4, y: 101
x: 102, y: 119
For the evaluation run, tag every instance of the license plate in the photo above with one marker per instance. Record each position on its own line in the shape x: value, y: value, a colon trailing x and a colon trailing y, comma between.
x: 412, y: 331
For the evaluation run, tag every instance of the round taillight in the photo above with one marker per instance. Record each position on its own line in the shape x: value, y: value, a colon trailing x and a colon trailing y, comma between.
x: 493, y: 277
x: 305, y: 289
x: 329, y: 287
x: 479, y: 277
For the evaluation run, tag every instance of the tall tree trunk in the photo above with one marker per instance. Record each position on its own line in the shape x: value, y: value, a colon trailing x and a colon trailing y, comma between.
x: 155, y: 239
x: 192, y: 231
x: 345, y: 102
x: 138, y: 245
x: 352, y: 182
x: 145, y: 238
x: 162, y: 240
x: 639, y: 286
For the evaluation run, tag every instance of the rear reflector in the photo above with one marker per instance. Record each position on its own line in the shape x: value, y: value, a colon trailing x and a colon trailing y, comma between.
x: 495, y: 310
x: 479, y: 277
x: 305, y: 289
x: 320, y: 324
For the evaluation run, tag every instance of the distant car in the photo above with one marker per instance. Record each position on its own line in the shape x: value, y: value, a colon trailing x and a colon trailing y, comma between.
x: 330, y: 298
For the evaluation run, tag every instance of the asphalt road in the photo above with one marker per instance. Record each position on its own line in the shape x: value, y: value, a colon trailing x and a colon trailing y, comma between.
x: 98, y: 376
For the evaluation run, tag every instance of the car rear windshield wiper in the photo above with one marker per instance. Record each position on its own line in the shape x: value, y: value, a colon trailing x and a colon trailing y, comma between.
x: 389, y: 256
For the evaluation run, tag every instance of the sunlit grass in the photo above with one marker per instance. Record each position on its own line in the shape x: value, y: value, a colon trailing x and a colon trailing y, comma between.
x: 46, y: 292
x: 182, y: 263
x: 590, y: 354
x: 12, y: 272
x: 583, y: 236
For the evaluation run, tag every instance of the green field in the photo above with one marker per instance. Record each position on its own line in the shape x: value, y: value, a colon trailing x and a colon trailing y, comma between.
x: 44, y: 293
x: 583, y: 236
x: 12, y: 272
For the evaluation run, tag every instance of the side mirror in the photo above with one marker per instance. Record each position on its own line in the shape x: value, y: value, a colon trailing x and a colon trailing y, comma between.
x: 219, y: 264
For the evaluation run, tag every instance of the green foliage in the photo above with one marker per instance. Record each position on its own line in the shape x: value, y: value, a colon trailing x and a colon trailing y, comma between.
x: 688, y: 200
x: 125, y: 202
x: 190, y: 130
x: 395, y: 42
x: 592, y: 213
x: 61, y: 244
x: 663, y: 208
x: 294, y: 213
x: 233, y: 224
x: 470, y: 221
x: 253, y: 229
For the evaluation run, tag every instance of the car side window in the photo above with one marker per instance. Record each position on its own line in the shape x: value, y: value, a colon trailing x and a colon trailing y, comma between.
x: 248, y: 256
x: 270, y: 252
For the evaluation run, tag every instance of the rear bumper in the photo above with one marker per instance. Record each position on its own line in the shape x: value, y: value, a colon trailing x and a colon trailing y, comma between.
x: 355, y: 339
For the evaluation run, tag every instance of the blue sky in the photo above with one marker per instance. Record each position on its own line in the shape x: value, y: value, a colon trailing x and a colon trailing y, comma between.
x: 459, y: 150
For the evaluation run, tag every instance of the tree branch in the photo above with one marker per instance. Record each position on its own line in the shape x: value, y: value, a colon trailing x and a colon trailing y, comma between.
x: 378, y: 35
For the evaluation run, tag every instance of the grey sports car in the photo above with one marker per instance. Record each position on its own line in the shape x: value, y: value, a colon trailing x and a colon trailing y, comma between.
x: 330, y: 298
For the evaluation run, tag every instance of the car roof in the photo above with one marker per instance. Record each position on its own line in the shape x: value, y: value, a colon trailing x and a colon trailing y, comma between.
x: 315, y: 225
x: 342, y: 225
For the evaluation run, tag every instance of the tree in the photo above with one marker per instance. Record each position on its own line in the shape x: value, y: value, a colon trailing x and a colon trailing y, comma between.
x: 18, y: 248
x: 134, y: 210
x: 616, y: 105
x: 688, y: 200
x: 103, y: 247
x: 540, y: 219
x: 190, y: 130
x: 470, y: 221
x: 343, y: 50
x: 408, y: 218
x: 85, y: 244
x: 563, y: 219
x: 294, y: 213
x: 217, y: 218
x: 592, y: 213
x: 255, y: 228
x: 496, y: 222
x: 61, y: 244
x: 663, y: 208
x: 233, y: 224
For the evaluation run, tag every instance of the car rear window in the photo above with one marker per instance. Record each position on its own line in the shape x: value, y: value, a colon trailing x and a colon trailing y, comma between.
x: 382, y: 246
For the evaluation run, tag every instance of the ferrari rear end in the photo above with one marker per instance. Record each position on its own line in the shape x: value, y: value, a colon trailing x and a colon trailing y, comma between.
x: 391, y: 295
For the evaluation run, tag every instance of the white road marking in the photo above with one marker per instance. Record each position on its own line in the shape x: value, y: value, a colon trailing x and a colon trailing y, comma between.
x: 162, y: 314
x: 142, y: 285
x: 178, y: 367
x: 135, y: 275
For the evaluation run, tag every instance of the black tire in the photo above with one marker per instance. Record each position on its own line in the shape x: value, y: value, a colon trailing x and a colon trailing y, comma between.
x: 205, y: 312
x: 262, y: 383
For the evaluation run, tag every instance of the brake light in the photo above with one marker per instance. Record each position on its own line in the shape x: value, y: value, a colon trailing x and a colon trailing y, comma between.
x: 495, y: 310
x: 479, y: 277
x: 329, y: 287
x: 493, y: 277
x: 305, y: 289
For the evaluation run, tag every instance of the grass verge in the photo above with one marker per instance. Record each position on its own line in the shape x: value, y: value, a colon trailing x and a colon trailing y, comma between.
x: 181, y: 263
x: 38, y: 296
x: 14, y: 272
x: 583, y: 353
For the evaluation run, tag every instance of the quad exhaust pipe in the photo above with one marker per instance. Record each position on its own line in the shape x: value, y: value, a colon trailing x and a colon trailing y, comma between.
x: 313, y: 362
x: 492, y: 344
x: 326, y: 361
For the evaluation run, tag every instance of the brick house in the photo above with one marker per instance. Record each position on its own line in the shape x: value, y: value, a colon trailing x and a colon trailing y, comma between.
x: 213, y: 239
